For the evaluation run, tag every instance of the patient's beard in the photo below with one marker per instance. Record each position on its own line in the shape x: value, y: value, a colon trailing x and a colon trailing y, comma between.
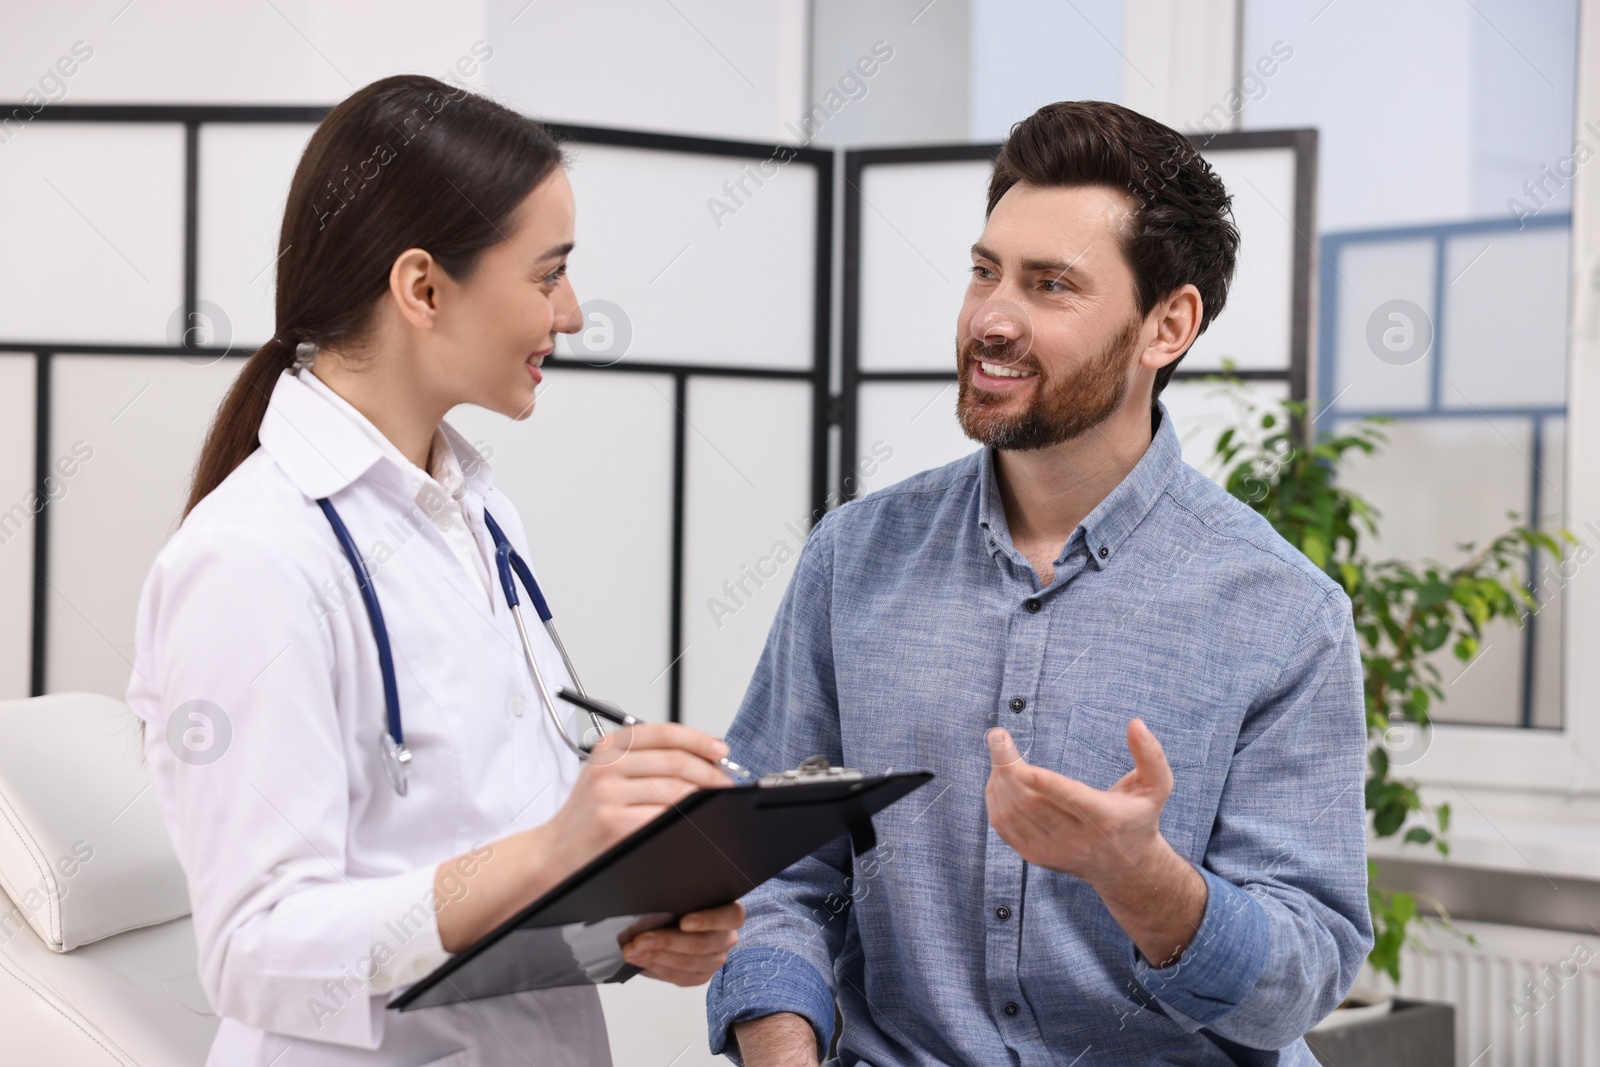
x: 1058, y: 411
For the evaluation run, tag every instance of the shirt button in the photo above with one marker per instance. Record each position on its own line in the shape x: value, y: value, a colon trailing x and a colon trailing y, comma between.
x: 518, y: 703
x: 1033, y: 605
x: 1017, y: 703
x: 1104, y: 552
x: 1011, y: 1007
x: 1002, y: 913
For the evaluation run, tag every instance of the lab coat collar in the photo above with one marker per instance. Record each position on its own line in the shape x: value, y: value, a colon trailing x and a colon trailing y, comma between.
x: 323, y: 450
x: 475, y: 473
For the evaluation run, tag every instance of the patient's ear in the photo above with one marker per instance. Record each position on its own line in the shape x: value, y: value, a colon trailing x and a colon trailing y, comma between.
x: 1177, y: 320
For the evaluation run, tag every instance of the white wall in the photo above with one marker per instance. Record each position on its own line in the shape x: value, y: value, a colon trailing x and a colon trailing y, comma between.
x: 1429, y: 111
x: 1035, y: 52
x: 691, y: 66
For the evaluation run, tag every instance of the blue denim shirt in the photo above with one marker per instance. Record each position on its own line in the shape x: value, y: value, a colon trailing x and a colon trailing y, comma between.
x: 912, y: 625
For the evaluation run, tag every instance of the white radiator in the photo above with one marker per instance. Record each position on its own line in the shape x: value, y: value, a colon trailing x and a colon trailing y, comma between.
x: 1523, y: 997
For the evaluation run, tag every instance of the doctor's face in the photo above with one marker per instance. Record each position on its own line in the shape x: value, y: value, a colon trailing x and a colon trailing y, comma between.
x: 502, y: 320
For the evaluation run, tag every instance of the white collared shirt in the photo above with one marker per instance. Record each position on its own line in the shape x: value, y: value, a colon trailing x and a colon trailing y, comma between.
x: 311, y: 880
x: 443, y: 481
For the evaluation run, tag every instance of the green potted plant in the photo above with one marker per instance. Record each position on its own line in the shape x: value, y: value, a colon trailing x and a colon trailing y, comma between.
x: 1276, y: 462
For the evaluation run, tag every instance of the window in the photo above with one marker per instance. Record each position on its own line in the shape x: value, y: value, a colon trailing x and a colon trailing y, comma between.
x: 1445, y: 228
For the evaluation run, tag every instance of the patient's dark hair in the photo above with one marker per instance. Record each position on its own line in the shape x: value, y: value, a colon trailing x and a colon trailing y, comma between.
x: 1182, y: 231
x: 406, y: 162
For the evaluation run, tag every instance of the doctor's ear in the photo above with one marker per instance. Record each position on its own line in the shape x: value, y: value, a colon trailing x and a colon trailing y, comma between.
x: 414, y: 283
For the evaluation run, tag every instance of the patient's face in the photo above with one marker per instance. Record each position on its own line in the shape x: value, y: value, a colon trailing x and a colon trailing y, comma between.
x: 1049, y: 334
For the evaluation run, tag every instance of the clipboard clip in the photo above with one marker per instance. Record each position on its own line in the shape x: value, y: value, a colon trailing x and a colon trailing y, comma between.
x: 863, y: 836
x: 811, y: 769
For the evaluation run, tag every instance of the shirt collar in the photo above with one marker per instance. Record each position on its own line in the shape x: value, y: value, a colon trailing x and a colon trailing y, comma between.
x: 324, y: 444
x: 1105, y: 528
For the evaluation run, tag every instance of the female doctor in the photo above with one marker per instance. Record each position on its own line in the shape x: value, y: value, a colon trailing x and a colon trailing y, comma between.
x: 335, y: 855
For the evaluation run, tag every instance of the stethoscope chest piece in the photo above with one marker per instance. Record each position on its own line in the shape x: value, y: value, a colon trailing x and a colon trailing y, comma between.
x: 396, y: 760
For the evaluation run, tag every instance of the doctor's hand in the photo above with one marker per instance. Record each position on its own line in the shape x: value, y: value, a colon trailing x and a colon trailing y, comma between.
x: 1109, y: 838
x: 690, y: 953
x: 632, y: 775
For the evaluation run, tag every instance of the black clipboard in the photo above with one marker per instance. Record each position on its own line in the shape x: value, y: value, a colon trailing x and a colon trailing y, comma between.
x: 713, y: 847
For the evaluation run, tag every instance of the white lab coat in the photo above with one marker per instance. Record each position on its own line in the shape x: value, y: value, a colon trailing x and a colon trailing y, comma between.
x: 300, y: 857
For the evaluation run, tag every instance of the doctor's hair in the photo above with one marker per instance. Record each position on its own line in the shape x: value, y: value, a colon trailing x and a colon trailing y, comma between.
x: 1182, y: 231
x: 406, y: 162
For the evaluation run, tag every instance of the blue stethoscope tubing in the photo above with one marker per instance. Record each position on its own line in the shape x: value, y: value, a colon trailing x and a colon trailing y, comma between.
x: 397, y: 757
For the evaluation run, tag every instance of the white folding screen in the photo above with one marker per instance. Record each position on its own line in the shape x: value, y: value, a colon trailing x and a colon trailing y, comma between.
x: 675, y: 440
x: 675, y: 461
x: 911, y: 216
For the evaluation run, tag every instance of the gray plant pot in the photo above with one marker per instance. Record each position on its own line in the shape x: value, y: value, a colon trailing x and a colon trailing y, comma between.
x: 1417, y: 1033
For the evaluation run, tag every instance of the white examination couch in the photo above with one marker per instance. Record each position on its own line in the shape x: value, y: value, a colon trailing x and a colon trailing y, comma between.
x: 97, y: 956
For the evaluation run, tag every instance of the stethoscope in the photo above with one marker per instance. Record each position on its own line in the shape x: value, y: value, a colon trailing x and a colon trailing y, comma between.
x: 396, y: 756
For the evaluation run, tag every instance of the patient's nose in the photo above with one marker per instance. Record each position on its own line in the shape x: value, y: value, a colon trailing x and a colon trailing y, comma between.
x: 1004, y: 328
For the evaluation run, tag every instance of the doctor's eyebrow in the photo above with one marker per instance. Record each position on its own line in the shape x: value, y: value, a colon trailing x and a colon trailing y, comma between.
x: 559, y: 251
x: 1057, y: 267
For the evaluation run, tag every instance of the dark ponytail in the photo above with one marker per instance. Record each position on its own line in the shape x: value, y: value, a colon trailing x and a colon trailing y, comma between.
x: 406, y: 162
x: 232, y: 436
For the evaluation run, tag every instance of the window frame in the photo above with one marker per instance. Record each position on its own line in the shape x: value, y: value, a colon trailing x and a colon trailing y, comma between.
x: 1565, y: 761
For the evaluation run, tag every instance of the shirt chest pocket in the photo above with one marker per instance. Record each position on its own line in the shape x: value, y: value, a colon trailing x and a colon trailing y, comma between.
x: 1095, y: 752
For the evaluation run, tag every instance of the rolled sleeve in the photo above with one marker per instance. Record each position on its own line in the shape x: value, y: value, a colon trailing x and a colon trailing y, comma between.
x: 405, y: 931
x: 761, y: 981
x: 1221, y: 965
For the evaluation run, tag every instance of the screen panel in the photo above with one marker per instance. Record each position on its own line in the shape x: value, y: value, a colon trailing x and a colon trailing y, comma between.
x: 698, y: 282
x: 747, y: 514
x: 590, y: 472
x: 905, y: 428
x: 98, y: 253
x: 1255, y: 329
x: 19, y: 507
x: 918, y: 222
x: 134, y: 424
x: 245, y: 171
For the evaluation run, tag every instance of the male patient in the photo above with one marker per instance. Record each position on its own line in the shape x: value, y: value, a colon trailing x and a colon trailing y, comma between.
x: 1146, y: 840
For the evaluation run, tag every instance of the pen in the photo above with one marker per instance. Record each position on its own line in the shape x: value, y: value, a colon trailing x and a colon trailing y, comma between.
x: 612, y: 713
